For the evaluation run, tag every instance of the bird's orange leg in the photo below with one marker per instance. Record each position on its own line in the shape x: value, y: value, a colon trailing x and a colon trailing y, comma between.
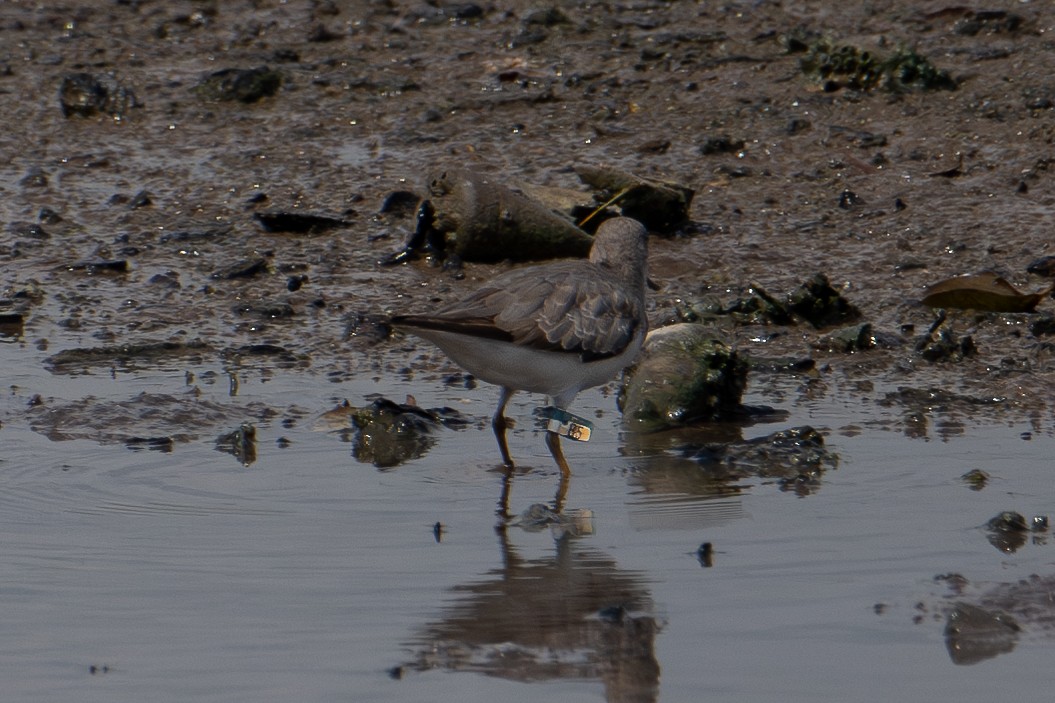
x: 499, y: 425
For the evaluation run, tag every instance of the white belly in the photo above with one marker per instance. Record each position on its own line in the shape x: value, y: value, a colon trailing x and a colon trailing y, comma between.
x: 559, y: 375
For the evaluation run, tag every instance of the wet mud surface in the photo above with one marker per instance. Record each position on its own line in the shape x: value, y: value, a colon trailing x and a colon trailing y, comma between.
x: 191, y: 227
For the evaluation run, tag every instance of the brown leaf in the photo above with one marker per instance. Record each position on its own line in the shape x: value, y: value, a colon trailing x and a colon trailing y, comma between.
x: 981, y: 291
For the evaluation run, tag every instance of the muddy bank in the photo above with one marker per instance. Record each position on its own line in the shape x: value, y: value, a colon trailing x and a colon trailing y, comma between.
x: 142, y: 170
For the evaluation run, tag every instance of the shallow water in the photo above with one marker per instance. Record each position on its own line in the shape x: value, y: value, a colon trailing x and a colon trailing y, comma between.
x: 309, y: 575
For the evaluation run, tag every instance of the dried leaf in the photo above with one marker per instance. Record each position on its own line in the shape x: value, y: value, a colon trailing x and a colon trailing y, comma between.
x: 981, y: 291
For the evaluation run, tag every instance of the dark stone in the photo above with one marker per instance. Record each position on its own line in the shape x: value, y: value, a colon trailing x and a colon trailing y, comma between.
x: 34, y: 178
x: 299, y: 223
x: 49, y: 216
x: 723, y: 144
x: 140, y: 199
x: 849, y: 199
x: 245, y: 85
x: 1044, y: 266
x: 849, y: 339
x: 30, y: 230
x: 266, y: 310
x: 242, y: 269
x: 388, y: 434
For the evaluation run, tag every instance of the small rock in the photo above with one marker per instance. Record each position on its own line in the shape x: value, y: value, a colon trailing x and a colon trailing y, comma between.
x: 30, y: 230
x: 86, y: 94
x: 941, y: 343
x: 723, y: 144
x: 1007, y: 531
x: 820, y: 304
x: 34, y: 178
x: 796, y: 457
x: 849, y: 199
x: 849, y: 339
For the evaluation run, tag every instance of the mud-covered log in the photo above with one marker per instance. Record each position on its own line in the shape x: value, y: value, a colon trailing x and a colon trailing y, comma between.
x: 483, y: 220
x: 659, y: 205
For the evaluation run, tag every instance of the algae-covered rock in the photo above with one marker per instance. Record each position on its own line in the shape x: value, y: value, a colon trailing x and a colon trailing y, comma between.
x: 847, y: 66
x: 684, y: 375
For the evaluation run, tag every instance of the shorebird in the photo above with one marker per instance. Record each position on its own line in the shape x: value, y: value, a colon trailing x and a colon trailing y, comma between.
x: 555, y: 328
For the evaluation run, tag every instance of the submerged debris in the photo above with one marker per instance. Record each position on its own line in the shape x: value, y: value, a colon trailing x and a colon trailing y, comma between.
x: 796, y: 456
x: 936, y: 400
x: 974, y: 634
x: 148, y: 420
x: 241, y: 444
x: 387, y: 434
x: 538, y: 516
x: 982, y: 624
x: 976, y: 479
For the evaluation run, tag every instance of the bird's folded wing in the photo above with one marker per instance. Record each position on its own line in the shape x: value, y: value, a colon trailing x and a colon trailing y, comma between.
x: 558, y: 308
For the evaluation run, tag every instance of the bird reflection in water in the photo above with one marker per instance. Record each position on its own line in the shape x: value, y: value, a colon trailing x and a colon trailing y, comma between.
x: 573, y: 616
